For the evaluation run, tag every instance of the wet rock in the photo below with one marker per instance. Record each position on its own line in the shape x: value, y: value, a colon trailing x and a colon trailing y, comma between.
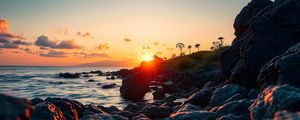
x: 72, y: 109
x: 253, y: 94
x: 234, y: 117
x: 158, y: 94
x: 87, y: 75
x: 169, y: 87
x: 97, y: 72
x: 92, y: 109
x: 126, y: 114
x: 140, y: 117
x: 285, y: 115
x: 170, y: 98
x: 99, y: 83
x: 109, y: 86
x: 103, y: 116
x: 91, y: 80
x: 109, y: 109
x: 200, y: 98
x: 274, y: 99
x: 208, y: 85
x: 14, y: 108
x: 236, y: 108
x: 69, y: 75
x: 195, y: 115
x: 133, y: 108
x: 236, y: 97
x: 47, y: 111
x: 283, y: 69
x: 153, y: 111
x: 220, y: 95
x: 35, y: 101
x: 188, y: 108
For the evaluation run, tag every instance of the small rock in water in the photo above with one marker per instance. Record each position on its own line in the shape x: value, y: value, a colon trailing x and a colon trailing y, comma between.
x: 69, y: 75
x: 109, y: 86
x: 91, y: 80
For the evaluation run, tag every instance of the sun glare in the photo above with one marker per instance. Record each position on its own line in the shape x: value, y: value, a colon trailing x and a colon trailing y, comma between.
x: 148, y: 57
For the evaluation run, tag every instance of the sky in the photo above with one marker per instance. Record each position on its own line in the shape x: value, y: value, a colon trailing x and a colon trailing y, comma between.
x: 116, y: 32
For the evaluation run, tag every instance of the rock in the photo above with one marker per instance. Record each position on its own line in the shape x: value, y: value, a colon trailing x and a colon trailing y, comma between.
x: 87, y: 75
x: 200, y: 98
x: 91, y: 80
x: 109, y: 109
x: 253, y: 94
x: 169, y: 87
x: 126, y: 114
x: 283, y: 69
x: 195, y: 115
x: 109, y: 86
x: 285, y: 115
x: 188, y: 108
x: 133, y: 108
x: 231, y: 56
x: 97, y: 72
x: 14, y: 108
x: 103, y: 116
x: 274, y: 99
x: 236, y: 97
x: 233, y: 117
x: 99, y: 83
x: 170, y: 98
x: 159, y: 94
x: 47, y: 111
x: 72, y: 109
x: 208, y: 85
x: 35, y: 101
x: 69, y: 75
x: 92, y: 109
x: 236, y: 108
x: 135, y: 86
x: 266, y: 38
x: 221, y: 94
x: 140, y: 117
x: 153, y: 111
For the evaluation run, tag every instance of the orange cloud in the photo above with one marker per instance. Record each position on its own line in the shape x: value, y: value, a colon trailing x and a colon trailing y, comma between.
x: 87, y: 34
x: 103, y: 46
x: 127, y: 40
x: 4, y: 26
x: 43, y: 41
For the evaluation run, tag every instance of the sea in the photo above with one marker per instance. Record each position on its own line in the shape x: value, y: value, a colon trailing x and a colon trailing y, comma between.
x: 43, y: 81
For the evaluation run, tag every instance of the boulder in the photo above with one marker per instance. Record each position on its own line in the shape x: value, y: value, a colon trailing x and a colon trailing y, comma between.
x: 253, y: 93
x: 47, y: 111
x: 133, y: 108
x: 124, y: 113
x: 92, y: 109
x: 236, y: 108
x: 236, y: 97
x: 221, y: 94
x: 200, y: 98
x: 283, y: 69
x: 103, y: 116
x: 109, y: 109
x: 285, y: 115
x: 169, y: 87
x: 35, y: 101
x: 69, y: 75
x: 195, y: 115
x: 140, y: 117
x: 153, y: 111
x: 266, y: 37
x: 188, y: 108
x: 14, y: 108
x: 72, y: 109
x: 159, y: 94
x: 274, y: 99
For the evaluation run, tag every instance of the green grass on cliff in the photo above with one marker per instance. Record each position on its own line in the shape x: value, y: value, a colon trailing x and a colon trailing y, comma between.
x: 197, y: 60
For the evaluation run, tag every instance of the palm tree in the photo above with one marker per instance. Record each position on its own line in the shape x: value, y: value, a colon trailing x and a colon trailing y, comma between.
x: 221, y: 39
x: 197, y: 46
x: 180, y: 46
x: 190, y: 47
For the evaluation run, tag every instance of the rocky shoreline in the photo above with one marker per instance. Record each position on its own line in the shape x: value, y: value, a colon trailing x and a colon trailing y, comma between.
x: 259, y: 78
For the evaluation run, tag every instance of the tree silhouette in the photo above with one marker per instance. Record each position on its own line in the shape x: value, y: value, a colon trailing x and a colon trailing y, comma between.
x: 180, y: 46
x: 218, y: 44
x: 189, y: 47
x: 197, y: 46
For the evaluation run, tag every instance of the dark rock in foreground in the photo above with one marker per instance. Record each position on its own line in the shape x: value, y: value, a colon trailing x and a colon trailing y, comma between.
x: 12, y: 108
x: 47, y: 111
x: 274, y: 99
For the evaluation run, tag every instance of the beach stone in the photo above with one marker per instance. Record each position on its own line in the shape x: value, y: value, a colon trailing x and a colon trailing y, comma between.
x: 47, y: 111
x: 153, y: 111
x: 35, y: 101
x: 283, y: 69
x: 140, y: 117
x: 200, y: 98
x: 68, y: 107
x: 274, y: 99
x: 235, y: 107
x: 221, y: 94
x: 12, y: 108
x: 195, y: 115
x: 159, y: 94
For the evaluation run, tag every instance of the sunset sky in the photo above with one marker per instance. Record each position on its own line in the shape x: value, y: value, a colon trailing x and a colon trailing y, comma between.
x: 116, y: 32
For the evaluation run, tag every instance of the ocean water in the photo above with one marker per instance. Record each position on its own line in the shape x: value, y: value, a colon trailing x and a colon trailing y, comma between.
x: 43, y: 82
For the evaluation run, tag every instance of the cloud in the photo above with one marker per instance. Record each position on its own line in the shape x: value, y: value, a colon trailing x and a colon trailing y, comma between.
x: 146, y: 47
x: 54, y: 53
x: 9, y: 40
x: 127, y: 40
x: 43, y: 41
x: 156, y: 43
x: 91, y: 55
x: 103, y: 46
x: 109, y: 63
x: 87, y: 34
x: 27, y: 50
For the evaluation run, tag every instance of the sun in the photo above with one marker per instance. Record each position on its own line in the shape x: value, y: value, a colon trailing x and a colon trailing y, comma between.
x: 148, y: 57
